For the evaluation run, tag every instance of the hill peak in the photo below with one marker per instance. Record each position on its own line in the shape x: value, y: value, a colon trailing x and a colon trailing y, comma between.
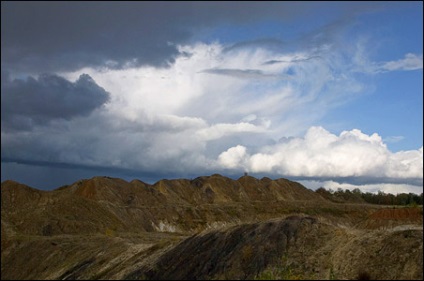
x: 15, y: 186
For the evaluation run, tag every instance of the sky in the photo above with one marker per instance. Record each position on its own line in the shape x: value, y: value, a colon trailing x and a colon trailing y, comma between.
x: 325, y: 93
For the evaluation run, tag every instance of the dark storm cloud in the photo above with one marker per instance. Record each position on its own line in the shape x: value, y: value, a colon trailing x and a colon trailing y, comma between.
x: 52, y: 36
x: 25, y: 103
x: 70, y: 35
x: 39, y: 174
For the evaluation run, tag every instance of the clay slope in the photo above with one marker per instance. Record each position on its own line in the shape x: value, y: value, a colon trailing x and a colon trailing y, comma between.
x: 295, y: 247
x: 102, y: 203
x: 206, y: 228
x: 298, y: 247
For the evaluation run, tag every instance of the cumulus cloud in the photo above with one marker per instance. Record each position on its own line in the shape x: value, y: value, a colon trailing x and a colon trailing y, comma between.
x: 322, y: 154
x: 392, y: 188
x: 30, y: 102
x: 184, y: 89
x: 385, y: 187
x: 233, y: 158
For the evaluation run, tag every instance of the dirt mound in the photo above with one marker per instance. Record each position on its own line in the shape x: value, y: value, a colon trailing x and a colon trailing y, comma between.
x: 241, y: 252
x: 102, y: 204
x: 297, y: 247
x: 80, y: 257
x: 17, y: 194
x: 107, y: 228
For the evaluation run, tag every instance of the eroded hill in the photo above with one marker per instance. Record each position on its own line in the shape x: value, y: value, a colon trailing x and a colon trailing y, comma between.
x: 207, y: 228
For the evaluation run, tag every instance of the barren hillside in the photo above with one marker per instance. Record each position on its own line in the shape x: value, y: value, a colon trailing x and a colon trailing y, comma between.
x: 206, y: 228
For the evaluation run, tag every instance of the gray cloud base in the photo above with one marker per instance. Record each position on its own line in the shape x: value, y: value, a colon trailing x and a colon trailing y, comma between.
x: 71, y: 35
x: 31, y: 102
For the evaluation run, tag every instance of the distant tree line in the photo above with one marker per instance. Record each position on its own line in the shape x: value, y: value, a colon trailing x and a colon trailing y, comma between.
x: 382, y: 198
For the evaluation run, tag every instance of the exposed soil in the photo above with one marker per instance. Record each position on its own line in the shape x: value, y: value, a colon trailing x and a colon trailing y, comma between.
x: 207, y: 228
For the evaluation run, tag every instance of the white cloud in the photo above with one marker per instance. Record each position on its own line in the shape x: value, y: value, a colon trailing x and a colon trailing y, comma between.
x: 186, y: 88
x: 220, y: 130
x: 233, y: 158
x: 393, y: 139
x: 183, y: 119
x: 322, y: 154
x: 410, y: 62
x: 374, y: 188
x: 392, y: 188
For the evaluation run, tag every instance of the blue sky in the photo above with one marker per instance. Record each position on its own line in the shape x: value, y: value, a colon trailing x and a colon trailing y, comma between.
x: 393, y: 104
x: 326, y: 93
